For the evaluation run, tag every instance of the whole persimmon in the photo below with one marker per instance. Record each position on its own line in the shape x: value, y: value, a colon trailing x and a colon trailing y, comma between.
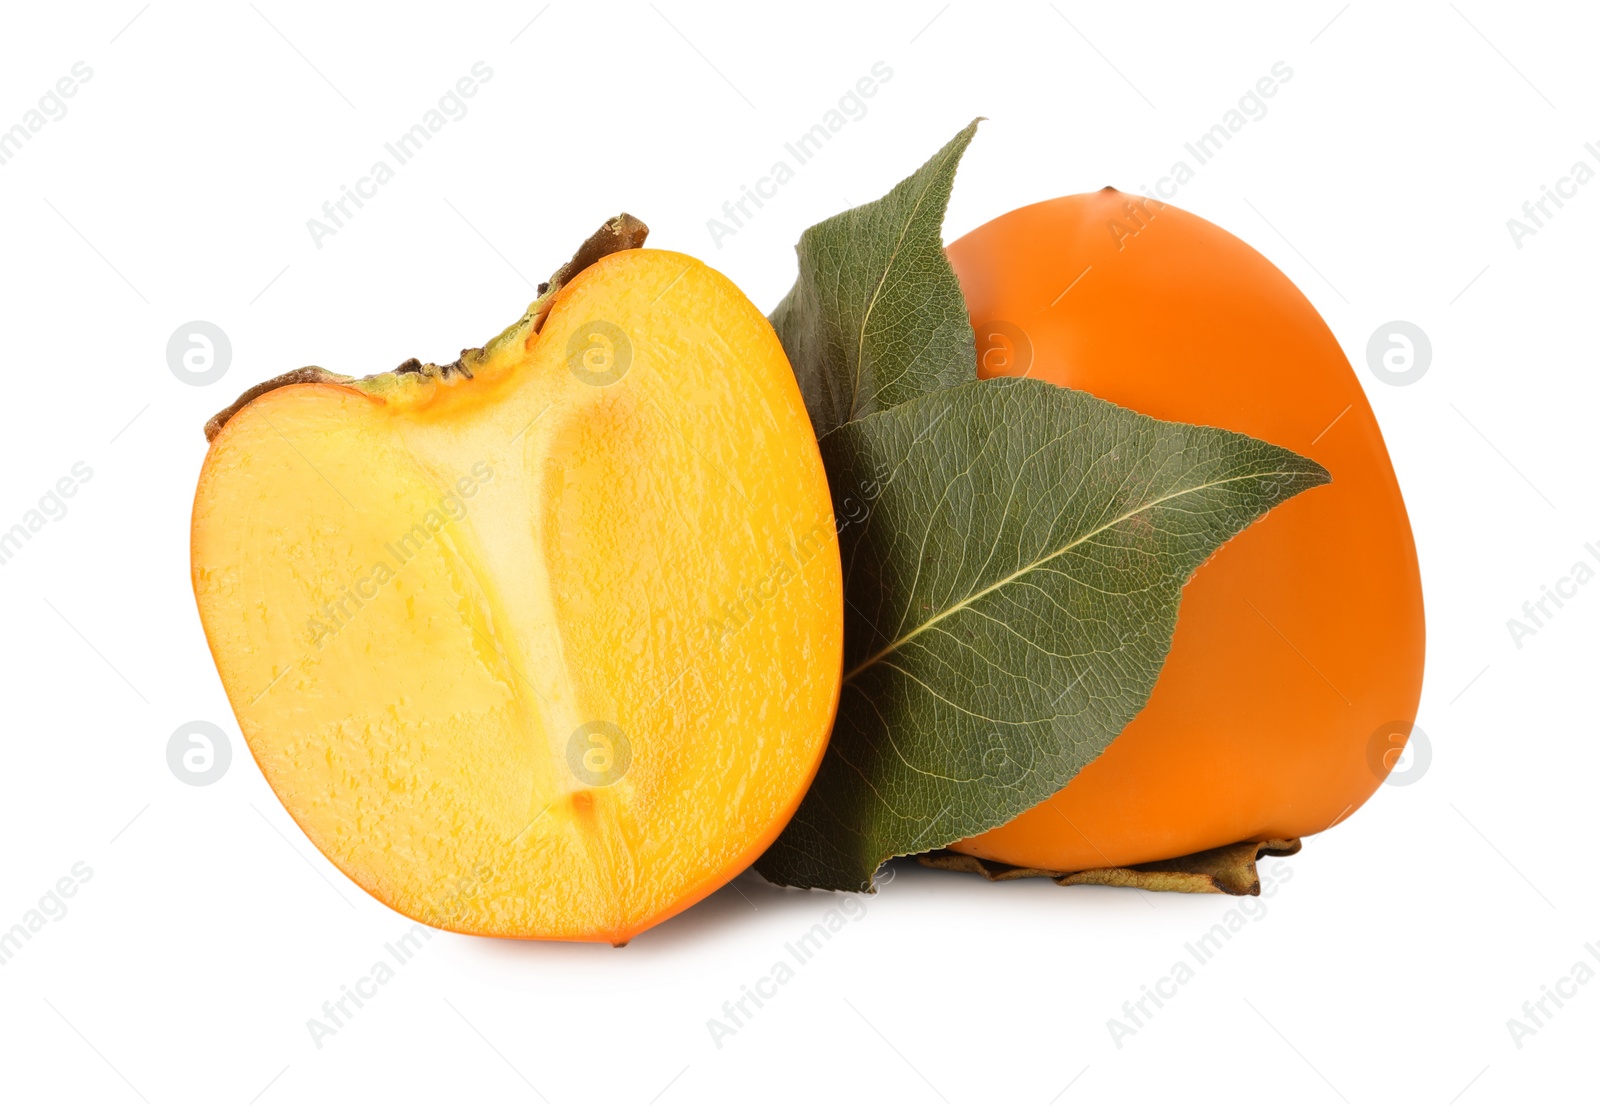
x: 1296, y: 666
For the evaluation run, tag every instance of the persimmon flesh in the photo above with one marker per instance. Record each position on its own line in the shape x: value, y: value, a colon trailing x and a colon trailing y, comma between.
x: 1299, y: 647
x: 547, y: 643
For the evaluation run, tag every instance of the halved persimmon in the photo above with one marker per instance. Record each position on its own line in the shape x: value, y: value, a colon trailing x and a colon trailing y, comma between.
x: 544, y: 643
x: 1296, y: 667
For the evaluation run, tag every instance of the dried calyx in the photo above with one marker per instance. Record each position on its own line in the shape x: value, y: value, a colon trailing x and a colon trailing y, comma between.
x: 622, y: 232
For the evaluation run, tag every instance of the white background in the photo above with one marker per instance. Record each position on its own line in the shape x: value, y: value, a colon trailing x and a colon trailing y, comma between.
x: 177, y: 187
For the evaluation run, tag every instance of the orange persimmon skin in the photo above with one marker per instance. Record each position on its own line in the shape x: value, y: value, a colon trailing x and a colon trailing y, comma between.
x: 1299, y: 646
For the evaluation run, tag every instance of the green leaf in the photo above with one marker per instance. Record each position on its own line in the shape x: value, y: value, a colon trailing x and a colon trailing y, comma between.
x: 1013, y: 557
x: 876, y: 316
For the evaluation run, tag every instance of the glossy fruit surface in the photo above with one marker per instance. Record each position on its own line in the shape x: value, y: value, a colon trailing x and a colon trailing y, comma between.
x: 1296, y: 667
x: 546, y: 643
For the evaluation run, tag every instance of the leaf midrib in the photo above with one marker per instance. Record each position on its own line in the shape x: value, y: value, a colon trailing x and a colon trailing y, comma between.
x: 968, y: 601
x: 861, y: 337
